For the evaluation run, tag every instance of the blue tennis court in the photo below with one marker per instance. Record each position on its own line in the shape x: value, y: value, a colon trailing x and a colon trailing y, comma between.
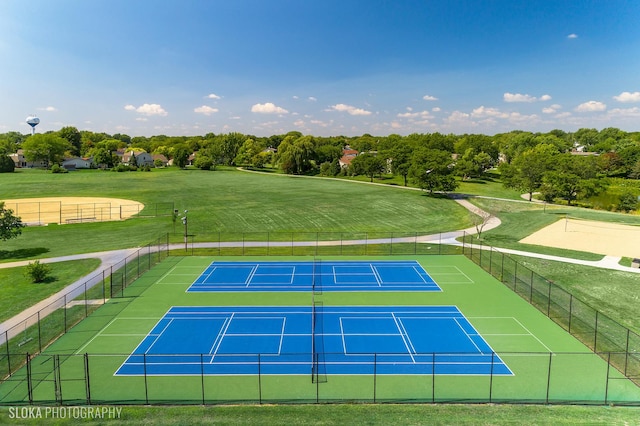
x: 319, y: 275
x: 346, y: 340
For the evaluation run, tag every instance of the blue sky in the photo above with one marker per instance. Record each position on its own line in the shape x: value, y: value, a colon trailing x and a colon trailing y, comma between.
x: 325, y: 67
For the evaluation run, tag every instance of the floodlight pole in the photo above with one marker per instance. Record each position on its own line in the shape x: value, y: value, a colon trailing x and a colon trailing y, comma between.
x: 186, y: 231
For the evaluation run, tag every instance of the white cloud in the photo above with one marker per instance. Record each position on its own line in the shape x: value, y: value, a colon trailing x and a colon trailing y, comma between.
x: 591, y: 106
x: 312, y: 98
x: 48, y: 109
x: 268, y: 108
x: 628, y: 97
x: 572, y: 36
x: 435, y: 109
x: 551, y: 109
x: 148, y: 109
x: 205, y: 110
x: 482, y: 111
x: 421, y: 114
x: 213, y: 96
x: 429, y: 98
x: 518, y: 97
x: 349, y: 109
x: 625, y: 112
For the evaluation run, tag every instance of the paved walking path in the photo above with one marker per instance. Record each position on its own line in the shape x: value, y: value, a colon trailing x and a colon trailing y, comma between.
x: 110, y: 258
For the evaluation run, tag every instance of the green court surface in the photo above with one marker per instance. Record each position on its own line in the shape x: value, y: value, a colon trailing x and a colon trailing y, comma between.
x: 548, y: 364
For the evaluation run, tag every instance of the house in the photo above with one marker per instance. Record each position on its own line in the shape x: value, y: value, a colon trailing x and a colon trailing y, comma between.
x: 78, y: 163
x: 348, y: 154
x: 160, y: 158
x: 21, y: 162
x: 141, y: 159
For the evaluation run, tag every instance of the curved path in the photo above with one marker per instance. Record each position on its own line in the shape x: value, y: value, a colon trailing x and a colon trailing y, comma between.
x: 110, y: 258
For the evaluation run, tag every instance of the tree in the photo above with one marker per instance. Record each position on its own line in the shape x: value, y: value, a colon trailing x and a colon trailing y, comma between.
x: 74, y: 137
x: 628, y: 202
x: 573, y: 178
x: 368, y: 164
x: 47, y: 147
x: 432, y: 170
x: 38, y: 272
x: 10, y: 225
x: 400, y: 155
x: 296, y: 155
x: 180, y: 155
x: 526, y: 171
x: 104, y: 157
x: 6, y: 164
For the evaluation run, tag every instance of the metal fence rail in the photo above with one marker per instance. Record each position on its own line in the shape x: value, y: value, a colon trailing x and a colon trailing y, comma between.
x: 36, y: 332
x: 42, y: 382
x: 604, y: 336
x: 543, y: 378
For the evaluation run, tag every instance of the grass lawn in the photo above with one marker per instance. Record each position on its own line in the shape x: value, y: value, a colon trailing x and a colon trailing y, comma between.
x: 614, y: 293
x: 223, y: 201
x: 18, y: 292
x: 362, y: 414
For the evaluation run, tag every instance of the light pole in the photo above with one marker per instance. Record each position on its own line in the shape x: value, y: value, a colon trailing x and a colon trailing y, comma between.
x: 186, y: 233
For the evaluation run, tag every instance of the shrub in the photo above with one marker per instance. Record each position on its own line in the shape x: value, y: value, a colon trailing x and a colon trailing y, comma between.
x: 6, y: 164
x: 58, y: 169
x: 37, y: 272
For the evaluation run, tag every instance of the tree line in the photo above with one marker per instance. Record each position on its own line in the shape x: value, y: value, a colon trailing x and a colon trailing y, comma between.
x: 557, y: 164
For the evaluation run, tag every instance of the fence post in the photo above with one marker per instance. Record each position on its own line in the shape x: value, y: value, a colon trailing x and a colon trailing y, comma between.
x: 491, y: 378
x: 595, y: 335
x: 39, y: 335
x: 375, y: 370
x: 606, y: 386
x: 87, y: 382
x: 626, y: 353
x: 6, y: 343
x: 433, y: 377
x: 259, y: 380
x: 549, y: 378
x: 490, y: 257
x: 64, y: 309
x: 29, y: 384
x: 202, y: 376
x: 144, y: 369
x: 549, y: 300
x: 366, y: 242
x: 571, y: 313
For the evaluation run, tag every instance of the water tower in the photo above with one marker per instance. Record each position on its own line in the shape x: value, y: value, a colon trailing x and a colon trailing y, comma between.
x: 33, y: 121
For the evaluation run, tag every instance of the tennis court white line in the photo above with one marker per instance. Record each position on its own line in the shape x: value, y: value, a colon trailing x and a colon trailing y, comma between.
x: 221, y: 334
x: 403, y: 337
x: 158, y: 336
x: 467, y: 335
x: 251, y: 274
x: 534, y: 336
x: 376, y: 274
x: 404, y: 332
x: 96, y: 336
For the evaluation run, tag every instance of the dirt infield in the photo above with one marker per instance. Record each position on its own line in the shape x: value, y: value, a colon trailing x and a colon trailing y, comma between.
x: 66, y: 210
x: 595, y: 237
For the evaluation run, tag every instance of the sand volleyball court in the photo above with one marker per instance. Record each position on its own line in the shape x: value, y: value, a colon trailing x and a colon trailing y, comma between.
x: 584, y: 235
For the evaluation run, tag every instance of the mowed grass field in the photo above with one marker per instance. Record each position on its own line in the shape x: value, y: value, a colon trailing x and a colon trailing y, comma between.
x: 222, y: 201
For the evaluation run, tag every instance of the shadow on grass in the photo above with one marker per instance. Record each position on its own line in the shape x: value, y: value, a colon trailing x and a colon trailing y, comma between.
x: 22, y: 253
